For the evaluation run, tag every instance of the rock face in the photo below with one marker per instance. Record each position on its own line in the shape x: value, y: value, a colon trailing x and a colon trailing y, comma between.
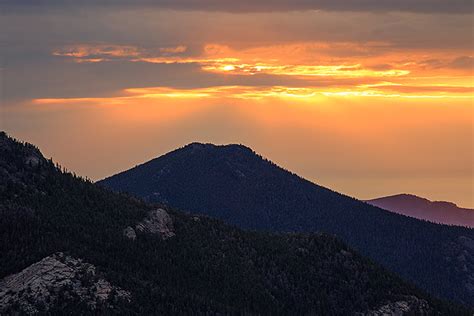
x: 53, y: 279
x: 129, y: 233
x: 411, y: 305
x: 157, y: 222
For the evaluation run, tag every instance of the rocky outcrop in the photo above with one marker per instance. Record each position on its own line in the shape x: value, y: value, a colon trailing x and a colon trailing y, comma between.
x: 130, y: 233
x: 54, y: 279
x: 411, y: 305
x: 158, y: 222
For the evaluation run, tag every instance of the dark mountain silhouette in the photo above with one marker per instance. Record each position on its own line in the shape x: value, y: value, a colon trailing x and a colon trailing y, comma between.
x: 236, y: 185
x: 421, y: 208
x: 71, y: 247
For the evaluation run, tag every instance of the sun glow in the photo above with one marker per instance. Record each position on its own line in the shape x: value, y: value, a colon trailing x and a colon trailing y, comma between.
x: 336, y: 71
x: 349, y: 69
x: 228, y: 68
x: 307, y: 94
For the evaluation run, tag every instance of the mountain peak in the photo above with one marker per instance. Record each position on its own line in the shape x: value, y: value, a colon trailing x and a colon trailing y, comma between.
x: 198, y: 145
x: 209, y: 146
x: 236, y: 185
x: 406, y: 196
x: 422, y: 208
x: 205, y: 151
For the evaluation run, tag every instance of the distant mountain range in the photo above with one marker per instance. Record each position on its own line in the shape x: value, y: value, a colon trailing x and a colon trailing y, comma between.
x: 236, y: 185
x: 421, y: 208
x: 70, y: 247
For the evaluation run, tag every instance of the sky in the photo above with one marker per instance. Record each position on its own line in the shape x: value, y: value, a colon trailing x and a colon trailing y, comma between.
x: 367, y: 97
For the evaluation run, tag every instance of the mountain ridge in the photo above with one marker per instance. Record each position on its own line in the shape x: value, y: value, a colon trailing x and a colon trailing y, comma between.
x: 443, y: 212
x: 173, y: 262
x: 235, y: 184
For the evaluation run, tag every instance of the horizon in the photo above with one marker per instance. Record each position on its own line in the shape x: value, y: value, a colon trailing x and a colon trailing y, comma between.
x: 368, y: 98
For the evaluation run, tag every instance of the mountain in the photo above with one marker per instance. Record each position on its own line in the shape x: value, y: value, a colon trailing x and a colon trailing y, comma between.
x: 421, y: 208
x: 69, y: 246
x: 236, y: 185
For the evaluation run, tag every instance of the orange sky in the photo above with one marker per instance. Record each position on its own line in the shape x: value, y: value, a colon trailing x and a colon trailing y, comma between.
x: 367, y: 103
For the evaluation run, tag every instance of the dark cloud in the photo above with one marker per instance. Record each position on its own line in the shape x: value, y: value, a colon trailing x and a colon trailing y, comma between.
x: 460, y: 63
x: 160, y: 28
x: 463, y: 62
x: 418, y: 6
x: 53, y: 78
x: 380, y: 67
x: 29, y: 39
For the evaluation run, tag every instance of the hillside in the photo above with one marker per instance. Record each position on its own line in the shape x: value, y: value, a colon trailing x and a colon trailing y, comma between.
x: 236, y: 185
x: 70, y: 246
x: 421, y: 208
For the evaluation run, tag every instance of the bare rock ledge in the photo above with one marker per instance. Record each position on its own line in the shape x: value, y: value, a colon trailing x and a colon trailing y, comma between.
x: 39, y: 286
x: 158, y: 222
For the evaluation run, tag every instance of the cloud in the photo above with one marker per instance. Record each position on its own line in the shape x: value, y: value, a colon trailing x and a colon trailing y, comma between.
x: 173, y: 50
x: 310, y: 94
x: 92, y: 52
x: 162, y: 28
x: 110, y: 52
x: 95, y: 70
x: 463, y: 62
x: 418, y: 6
x: 313, y: 59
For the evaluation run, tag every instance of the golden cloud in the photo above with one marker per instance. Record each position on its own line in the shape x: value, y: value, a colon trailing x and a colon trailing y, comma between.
x: 391, y: 73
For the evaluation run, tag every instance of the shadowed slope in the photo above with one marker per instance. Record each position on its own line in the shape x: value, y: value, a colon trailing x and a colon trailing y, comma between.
x: 234, y: 184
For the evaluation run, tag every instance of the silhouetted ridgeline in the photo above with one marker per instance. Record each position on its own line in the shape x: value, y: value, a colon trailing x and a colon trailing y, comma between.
x: 236, y: 185
x: 70, y: 246
x: 421, y: 208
